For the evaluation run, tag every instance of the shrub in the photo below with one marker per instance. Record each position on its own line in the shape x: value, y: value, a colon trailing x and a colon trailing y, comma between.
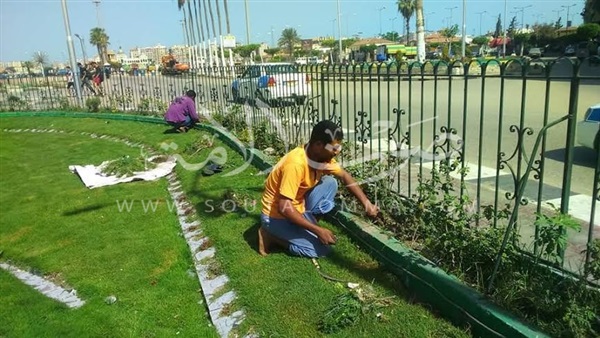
x: 93, y: 104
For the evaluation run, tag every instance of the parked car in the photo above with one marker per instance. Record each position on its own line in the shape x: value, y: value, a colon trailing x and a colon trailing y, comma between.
x: 272, y: 83
x: 535, y: 53
x: 588, y: 130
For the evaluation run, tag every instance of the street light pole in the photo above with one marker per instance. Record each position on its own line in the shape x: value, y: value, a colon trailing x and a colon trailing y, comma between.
x: 451, y: 9
x: 480, y: 15
x: 72, y: 57
x: 392, y: 20
x: 81, y: 41
x: 97, y: 2
x: 522, y: 10
x: 557, y: 11
x: 380, y: 9
x: 568, y: 8
x: 248, y: 22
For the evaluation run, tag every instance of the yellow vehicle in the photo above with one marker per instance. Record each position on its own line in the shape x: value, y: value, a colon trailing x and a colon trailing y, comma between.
x: 170, y: 66
x: 384, y: 52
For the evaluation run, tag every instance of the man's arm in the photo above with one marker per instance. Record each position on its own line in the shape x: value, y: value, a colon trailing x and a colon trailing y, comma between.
x: 192, y: 110
x: 286, y: 208
x: 371, y: 209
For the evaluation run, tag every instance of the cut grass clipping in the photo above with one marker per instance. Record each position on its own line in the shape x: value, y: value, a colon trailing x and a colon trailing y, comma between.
x: 127, y: 165
x: 347, y: 308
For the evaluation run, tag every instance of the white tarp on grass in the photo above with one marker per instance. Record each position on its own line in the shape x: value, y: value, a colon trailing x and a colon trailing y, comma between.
x: 93, y: 177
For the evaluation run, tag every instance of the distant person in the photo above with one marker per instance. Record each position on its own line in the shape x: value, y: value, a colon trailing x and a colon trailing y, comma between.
x: 70, y: 81
x: 182, y: 112
x: 85, y: 77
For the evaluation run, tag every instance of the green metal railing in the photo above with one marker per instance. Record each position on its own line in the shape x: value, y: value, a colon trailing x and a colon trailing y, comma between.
x: 488, y: 114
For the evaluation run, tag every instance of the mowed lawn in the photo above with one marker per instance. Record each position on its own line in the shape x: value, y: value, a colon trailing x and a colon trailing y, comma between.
x: 84, y: 239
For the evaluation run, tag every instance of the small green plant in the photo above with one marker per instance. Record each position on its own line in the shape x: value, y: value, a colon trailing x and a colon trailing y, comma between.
x: 93, y: 104
x: 552, y: 238
x: 127, y: 165
x: 202, y: 142
x: 16, y: 103
x: 347, y: 308
x: 593, y: 268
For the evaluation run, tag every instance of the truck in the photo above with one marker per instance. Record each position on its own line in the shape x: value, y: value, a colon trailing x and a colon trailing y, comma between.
x: 170, y: 66
x: 384, y: 52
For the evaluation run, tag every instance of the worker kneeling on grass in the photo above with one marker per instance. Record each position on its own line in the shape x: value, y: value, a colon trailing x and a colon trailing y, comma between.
x: 182, y: 112
x: 300, y: 190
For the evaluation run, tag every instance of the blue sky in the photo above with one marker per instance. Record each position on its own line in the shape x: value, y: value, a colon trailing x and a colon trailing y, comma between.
x: 27, y: 26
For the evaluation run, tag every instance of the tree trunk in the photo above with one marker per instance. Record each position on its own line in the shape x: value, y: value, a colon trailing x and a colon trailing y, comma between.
x: 420, y: 31
x: 407, y: 31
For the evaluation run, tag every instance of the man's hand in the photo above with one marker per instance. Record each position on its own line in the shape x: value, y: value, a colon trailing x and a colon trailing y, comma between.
x: 371, y: 209
x: 326, y: 236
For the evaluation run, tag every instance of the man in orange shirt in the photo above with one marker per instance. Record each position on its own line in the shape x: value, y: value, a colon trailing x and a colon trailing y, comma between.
x: 300, y: 190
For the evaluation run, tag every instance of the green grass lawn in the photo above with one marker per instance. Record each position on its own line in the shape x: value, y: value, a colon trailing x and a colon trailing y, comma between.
x: 51, y: 223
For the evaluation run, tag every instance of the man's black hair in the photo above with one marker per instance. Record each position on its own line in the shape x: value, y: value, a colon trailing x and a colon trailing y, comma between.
x: 326, y: 131
x: 191, y: 94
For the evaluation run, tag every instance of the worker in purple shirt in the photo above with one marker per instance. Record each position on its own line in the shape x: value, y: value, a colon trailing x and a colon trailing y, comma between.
x: 182, y: 112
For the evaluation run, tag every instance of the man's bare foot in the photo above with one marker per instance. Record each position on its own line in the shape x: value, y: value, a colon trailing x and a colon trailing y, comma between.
x: 264, y: 241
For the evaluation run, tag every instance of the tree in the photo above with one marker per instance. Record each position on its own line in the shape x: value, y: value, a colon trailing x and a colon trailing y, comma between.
x: 392, y: 36
x: 481, y: 40
x: 521, y: 39
x: 449, y: 33
x: 420, y: 22
x: 272, y: 51
x: 512, y: 27
x: 27, y: 65
x: 407, y: 9
x: 289, y: 38
x: 40, y: 59
x: 588, y: 31
x: 558, y: 24
x: 99, y: 38
x: 591, y: 12
x: 498, y: 31
x: 328, y: 43
x: 246, y: 51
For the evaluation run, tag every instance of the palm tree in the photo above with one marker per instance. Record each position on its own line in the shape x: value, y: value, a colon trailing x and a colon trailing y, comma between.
x: 407, y: 9
x: 99, y: 38
x: 420, y: 31
x: 289, y: 38
x: 27, y: 65
x: 40, y: 59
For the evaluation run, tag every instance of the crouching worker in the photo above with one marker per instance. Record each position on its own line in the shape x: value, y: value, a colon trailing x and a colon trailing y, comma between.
x: 182, y: 112
x: 300, y: 190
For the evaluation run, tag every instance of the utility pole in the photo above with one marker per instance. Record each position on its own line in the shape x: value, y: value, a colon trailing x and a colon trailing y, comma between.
x: 97, y: 3
x: 72, y: 57
x: 248, y: 22
x: 557, y: 11
x: 480, y: 15
x: 380, y: 9
x: 522, y: 10
x: 82, y: 42
x: 568, y: 8
x: 450, y: 22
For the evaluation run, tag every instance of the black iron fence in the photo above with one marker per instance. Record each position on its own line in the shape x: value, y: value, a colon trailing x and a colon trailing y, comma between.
x: 510, y: 125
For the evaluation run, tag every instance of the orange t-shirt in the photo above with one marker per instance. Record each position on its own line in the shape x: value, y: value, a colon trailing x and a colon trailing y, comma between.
x: 292, y: 177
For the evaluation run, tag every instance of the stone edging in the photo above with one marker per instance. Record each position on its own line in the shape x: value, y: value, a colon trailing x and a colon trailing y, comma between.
x: 200, y: 248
